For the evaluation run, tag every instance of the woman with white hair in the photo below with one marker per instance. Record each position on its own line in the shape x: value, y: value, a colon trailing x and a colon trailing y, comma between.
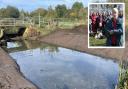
x: 114, y: 30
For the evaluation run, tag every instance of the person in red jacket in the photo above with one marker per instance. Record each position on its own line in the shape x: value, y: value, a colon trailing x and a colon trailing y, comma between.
x: 93, y: 19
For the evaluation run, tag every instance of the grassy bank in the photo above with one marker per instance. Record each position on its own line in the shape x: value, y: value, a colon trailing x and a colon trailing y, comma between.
x: 123, y: 75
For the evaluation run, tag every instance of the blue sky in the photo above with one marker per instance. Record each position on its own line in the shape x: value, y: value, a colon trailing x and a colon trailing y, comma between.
x: 92, y: 1
x: 30, y: 5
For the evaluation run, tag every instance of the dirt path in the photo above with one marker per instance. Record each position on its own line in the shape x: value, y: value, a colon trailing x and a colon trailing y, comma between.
x: 10, y: 77
x: 77, y: 39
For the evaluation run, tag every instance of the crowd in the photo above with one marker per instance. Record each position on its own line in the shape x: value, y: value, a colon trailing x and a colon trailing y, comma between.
x: 107, y: 24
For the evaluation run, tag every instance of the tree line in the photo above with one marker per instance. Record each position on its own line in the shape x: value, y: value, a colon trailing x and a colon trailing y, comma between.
x: 60, y: 11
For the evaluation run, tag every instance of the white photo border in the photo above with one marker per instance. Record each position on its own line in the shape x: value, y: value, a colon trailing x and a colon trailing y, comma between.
x: 123, y: 27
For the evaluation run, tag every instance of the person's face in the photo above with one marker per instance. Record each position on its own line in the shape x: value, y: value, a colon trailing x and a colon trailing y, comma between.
x: 100, y: 15
x: 94, y: 13
x: 115, y: 14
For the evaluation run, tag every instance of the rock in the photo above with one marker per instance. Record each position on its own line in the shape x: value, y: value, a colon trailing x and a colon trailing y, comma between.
x: 30, y: 32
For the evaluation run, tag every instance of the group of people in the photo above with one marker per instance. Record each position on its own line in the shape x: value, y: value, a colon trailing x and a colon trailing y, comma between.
x: 109, y: 25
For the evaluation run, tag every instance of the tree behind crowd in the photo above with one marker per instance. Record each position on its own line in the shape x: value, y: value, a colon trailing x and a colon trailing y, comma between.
x: 60, y: 11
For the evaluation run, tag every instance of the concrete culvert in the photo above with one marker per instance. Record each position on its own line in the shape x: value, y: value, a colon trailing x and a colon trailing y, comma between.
x: 1, y: 33
x: 21, y: 31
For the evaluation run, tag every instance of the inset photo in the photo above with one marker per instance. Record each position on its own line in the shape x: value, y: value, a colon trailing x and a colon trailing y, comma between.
x: 106, y: 25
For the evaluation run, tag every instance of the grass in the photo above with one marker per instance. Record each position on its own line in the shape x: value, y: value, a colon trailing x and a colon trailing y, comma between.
x: 70, y: 24
x: 123, y: 75
x: 47, y: 29
x: 66, y: 25
x: 97, y: 42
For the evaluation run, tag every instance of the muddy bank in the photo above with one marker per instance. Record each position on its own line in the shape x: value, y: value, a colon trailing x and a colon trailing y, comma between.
x: 77, y: 39
x: 10, y: 76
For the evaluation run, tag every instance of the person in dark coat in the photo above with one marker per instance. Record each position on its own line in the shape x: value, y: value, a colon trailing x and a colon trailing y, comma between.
x: 114, y: 30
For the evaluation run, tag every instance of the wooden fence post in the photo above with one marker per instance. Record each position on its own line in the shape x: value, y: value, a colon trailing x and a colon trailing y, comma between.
x: 39, y: 19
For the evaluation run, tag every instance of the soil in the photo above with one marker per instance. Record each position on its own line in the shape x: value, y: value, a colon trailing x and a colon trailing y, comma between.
x: 10, y: 76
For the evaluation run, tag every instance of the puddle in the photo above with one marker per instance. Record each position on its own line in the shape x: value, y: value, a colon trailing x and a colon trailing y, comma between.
x: 13, y: 44
x: 52, y: 67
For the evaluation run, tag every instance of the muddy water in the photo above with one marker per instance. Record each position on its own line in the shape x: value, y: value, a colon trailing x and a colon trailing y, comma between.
x: 52, y: 67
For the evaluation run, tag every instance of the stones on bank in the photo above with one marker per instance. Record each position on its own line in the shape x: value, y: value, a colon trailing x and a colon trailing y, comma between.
x: 30, y: 32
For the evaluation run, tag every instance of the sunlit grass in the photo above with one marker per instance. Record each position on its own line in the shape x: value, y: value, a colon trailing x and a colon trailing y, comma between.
x: 123, y: 75
x: 70, y: 24
x: 47, y: 29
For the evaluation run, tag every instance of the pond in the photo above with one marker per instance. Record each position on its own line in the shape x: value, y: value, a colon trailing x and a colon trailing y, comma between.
x: 52, y: 67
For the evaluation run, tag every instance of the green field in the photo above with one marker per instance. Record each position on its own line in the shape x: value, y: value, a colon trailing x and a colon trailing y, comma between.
x: 97, y: 42
x: 47, y: 29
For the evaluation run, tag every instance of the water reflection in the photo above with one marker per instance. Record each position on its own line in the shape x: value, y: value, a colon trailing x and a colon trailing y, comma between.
x: 52, y: 67
x: 22, y: 45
